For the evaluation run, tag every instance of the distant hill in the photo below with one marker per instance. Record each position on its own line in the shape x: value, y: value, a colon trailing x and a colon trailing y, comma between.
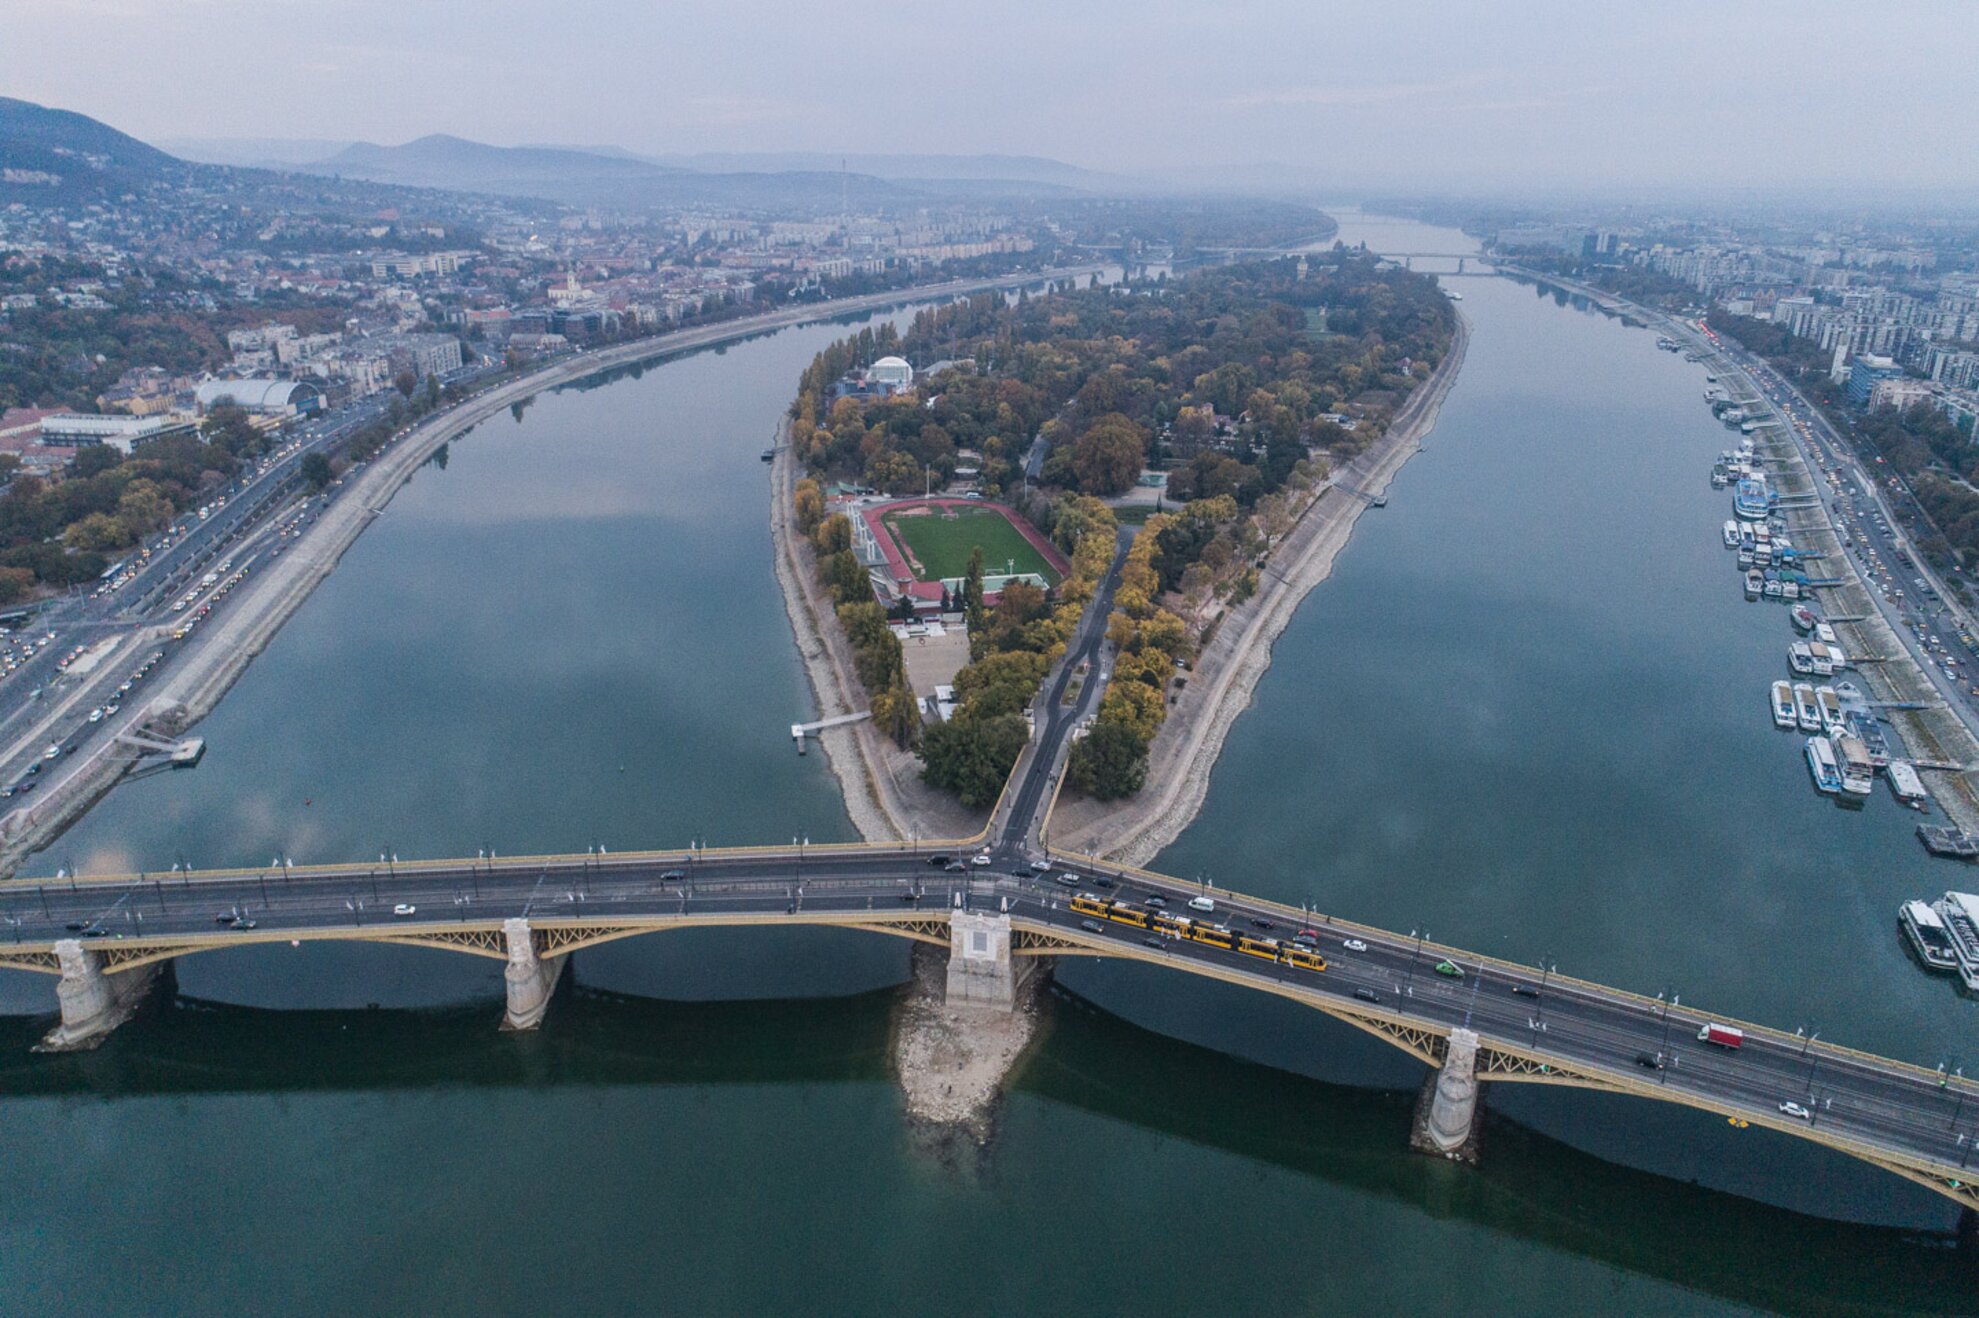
x: 900, y: 167
x: 55, y: 152
x: 442, y: 161
x: 254, y: 152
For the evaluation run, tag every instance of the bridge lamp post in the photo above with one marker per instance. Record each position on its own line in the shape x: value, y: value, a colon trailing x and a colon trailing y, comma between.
x: 1815, y: 1063
x: 261, y: 877
x: 1409, y: 985
x: 15, y: 921
x: 1957, y: 1107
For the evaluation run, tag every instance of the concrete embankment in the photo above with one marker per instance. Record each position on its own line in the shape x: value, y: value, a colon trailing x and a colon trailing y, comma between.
x: 1226, y: 674
x: 213, y: 658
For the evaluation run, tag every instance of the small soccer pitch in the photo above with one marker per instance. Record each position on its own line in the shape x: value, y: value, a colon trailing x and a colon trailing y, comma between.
x: 938, y: 542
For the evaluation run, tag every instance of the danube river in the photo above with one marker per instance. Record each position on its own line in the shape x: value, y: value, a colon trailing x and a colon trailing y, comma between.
x: 1526, y: 714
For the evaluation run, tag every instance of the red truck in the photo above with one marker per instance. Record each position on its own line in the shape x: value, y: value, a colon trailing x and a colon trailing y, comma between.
x: 1725, y: 1036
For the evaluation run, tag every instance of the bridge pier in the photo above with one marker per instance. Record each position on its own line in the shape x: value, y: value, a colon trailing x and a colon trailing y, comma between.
x: 531, y: 979
x: 981, y: 970
x: 1449, y: 1122
x: 93, y: 1002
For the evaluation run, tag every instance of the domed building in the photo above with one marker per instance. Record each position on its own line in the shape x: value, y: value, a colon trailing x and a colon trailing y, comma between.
x: 891, y: 373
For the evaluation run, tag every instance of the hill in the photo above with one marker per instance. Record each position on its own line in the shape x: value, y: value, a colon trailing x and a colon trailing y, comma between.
x: 54, y: 152
x: 442, y: 161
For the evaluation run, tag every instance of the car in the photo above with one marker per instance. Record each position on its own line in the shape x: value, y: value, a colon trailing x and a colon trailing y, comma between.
x: 1367, y: 995
x: 1449, y: 970
x: 1160, y: 943
x: 1259, y: 922
x: 980, y: 859
x: 74, y: 926
x: 1201, y: 904
x: 955, y: 867
x: 937, y: 862
x: 1104, y: 881
x: 672, y: 876
x: 1040, y: 866
x: 1525, y: 991
x: 51, y: 752
x: 1796, y: 1111
x: 405, y: 909
x: 1069, y: 879
x: 24, y: 787
x: 910, y: 896
x: 96, y: 715
x: 1092, y: 926
x: 1649, y: 1061
x: 1155, y: 900
x: 1352, y: 944
x: 243, y: 923
x: 226, y: 917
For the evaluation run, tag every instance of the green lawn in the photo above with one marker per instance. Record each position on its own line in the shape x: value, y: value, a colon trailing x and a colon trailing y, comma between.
x: 943, y: 544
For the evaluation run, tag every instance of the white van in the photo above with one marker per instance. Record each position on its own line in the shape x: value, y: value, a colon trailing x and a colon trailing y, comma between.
x: 1201, y: 904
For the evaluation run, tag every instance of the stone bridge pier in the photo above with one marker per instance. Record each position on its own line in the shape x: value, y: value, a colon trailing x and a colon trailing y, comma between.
x: 981, y: 970
x: 93, y: 1001
x: 531, y: 977
x: 1447, y: 1126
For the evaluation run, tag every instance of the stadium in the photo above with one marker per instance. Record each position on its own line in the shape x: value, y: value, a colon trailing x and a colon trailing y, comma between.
x: 921, y: 549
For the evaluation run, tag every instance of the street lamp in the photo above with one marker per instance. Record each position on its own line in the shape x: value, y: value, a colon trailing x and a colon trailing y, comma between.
x: 1408, y: 987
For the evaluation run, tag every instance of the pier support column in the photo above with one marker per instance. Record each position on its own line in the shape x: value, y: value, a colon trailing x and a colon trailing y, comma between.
x: 93, y: 1002
x: 1447, y: 1127
x: 531, y: 979
x: 981, y: 970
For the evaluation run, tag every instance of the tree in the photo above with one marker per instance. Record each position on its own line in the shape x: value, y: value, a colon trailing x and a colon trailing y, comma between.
x: 972, y: 603
x: 406, y: 381
x: 844, y: 578
x: 98, y: 531
x: 810, y: 505
x: 973, y: 757
x: 1108, y: 458
x: 316, y: 470
x: 833, y: 535
x: 1109, y: 762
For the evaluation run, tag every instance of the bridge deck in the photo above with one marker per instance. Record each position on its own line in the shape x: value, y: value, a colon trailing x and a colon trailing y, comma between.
x: 1536, y: 1028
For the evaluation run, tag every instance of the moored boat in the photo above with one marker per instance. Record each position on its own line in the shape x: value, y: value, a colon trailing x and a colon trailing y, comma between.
x: 1928, y: 936
x: 1803, y: 619
x: 1905, y: 784
x: 1755, y: 585
x: 1784, y: 715
x: 1822, y: 765
x: 1731, y: 535
x: 1807, y: 710
x: 1831, y: 708
x: 1858, y: 775
x: 1800, y: 659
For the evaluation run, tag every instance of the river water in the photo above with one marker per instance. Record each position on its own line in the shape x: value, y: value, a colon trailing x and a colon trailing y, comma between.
x: 1526, y: 713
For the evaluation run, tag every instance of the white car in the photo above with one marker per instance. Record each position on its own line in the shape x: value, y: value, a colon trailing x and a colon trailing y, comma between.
x: 1354, y: 945
x: 1040, y: 866
x: 979, y: 860
x: 405, y: 908
x: 1796, y: 1110
x: 1201, y: 904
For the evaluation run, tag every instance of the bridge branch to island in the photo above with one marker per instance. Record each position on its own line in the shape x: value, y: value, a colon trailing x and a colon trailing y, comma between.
x: 106, y: 937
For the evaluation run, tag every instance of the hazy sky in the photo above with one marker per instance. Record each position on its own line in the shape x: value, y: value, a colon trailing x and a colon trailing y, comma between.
x: 1460, y: 95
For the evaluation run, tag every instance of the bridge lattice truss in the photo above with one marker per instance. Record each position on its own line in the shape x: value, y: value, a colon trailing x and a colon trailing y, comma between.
x: 1427, y: 1042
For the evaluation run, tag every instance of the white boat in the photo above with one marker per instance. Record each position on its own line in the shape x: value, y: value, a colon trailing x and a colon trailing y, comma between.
x: 1774, y: 590
x: 1831, y: 708
x: 1754, y: 584
x: 1783, y: 705
x: 1807, y: 709
x: 1827, y: 659
x: 1731, y: 535
x: 1960, y: 912
x: 1825, y: 634
x: 1926, y: 930
x: 1822, y: 764
x: 1801, y: 659
x: 1905, y: 784
x: 1745, y: 557
x: 1858, y: 774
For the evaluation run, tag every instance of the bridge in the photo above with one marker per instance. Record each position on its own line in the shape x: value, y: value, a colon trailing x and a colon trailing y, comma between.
x: 1002, y: 903
x: 1500, y: 1022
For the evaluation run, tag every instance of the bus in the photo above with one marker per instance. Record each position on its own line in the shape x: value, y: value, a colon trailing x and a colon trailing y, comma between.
x: 1262, y: 947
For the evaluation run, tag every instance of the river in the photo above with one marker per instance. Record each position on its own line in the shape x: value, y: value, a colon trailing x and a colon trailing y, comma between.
x: 1527, y: 712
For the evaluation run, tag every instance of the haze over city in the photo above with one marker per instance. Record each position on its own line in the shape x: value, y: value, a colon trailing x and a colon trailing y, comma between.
x: 1813, y: 96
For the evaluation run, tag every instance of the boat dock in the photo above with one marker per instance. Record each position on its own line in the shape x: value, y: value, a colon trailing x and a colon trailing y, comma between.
x: 1944, y: 840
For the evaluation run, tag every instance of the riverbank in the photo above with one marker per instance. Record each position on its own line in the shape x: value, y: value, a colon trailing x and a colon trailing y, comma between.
x: 214, y: 657
x: 1185, y: 750
x: 881, y: 783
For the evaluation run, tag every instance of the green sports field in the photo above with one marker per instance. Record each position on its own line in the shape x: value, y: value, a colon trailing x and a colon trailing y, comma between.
x: 943, y: 544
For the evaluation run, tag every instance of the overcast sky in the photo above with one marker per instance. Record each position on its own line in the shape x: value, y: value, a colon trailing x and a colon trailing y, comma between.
x: 1429, y: 95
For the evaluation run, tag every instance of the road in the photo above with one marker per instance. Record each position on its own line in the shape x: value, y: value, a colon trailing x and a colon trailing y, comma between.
x: 1885, y: 1107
